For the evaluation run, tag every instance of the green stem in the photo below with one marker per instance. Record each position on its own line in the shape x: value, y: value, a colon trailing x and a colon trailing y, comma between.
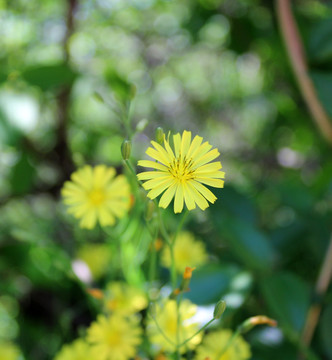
x: 196, y: 333
x: 230, y: 342
x: 161, y: 331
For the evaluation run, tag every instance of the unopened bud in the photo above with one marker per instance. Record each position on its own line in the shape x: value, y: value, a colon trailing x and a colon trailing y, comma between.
x: 186, y: 278
x: 219, y: 309
x: 248, y: 324
x: 160, y: 135
x: 126, y: 149
x: 96, y: 293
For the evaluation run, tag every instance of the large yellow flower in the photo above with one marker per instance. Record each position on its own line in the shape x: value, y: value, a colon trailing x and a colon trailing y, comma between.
x: 122, y: 298
x: 115, y: 337
x: 9, y: 351
x: 78, y: 350
x: 96, y: 195
x: 214, y: 343
x: 166, y: 316
x: 181, y: 172
x: 187, y: 252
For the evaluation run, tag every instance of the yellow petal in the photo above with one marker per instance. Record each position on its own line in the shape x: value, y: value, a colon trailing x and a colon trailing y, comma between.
x: 151, y: 175
x: 211, y: 182
x: 194, y: 145
x: 214, y: 166
x: 167, y: 196
x: 185, y: 143
x: 200, y: 151
x: 152, y: 164
x: 160, y: 188
x: 150, y: 184
x: 211, y: 155
x: 160, y: 149
x: 157, y: 155
x: 204, y: 191
x: 199, y: 199
x: 190, y: 203
x: 178, y: 202
x: 177, y: 143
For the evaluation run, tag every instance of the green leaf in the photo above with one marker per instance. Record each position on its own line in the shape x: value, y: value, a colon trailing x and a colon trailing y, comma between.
x: 120, y: 86
x: 320, y: 41
x: 288, y: 297
x: 323, y: 84
x: 49, y: 77
x: 213, y: 281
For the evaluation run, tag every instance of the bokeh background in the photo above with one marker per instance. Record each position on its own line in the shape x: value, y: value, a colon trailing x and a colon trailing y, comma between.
x: 216, y: 67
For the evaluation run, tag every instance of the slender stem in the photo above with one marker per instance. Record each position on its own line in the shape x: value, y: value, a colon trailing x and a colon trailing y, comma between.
x: 153, y: 259
x: 178, y: 326
x: 230, y: 342
x: 161, y: 331
x: 196, y: 333
x: 322, y: 284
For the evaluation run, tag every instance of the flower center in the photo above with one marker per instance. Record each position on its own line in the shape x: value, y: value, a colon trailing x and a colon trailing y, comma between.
x: 181, y: 170
x: 96, y: 197
x: 114, y: 339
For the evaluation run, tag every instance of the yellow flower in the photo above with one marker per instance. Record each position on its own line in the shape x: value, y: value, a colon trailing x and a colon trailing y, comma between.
x: 214, y: 343
x: 96, y: 195
x: 114, y: 337
x: 124, y: 299
x: 78, y: 350
x: 9, y: 351
x: 187, y: 252
x: 166, y: 316
x: 181, y: 172
x: 97, y: 257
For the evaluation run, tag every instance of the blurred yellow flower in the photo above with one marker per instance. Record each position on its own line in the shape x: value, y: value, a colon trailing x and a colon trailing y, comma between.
x: 115, y: 337
x: 96, y: 195
x: 124, y: 299
x: 9, y: 351
x: 78, y: 350
x: 187, y: 252
x: 214, y: 343
x: 182, y: 171
x: 97, y: 257
x: 166, y: 316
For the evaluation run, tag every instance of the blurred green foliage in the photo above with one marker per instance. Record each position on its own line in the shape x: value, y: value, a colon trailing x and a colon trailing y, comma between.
x: 215, y: 67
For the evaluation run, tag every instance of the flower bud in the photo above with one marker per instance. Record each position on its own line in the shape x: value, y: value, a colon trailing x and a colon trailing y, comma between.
x: 248, y: 324
x: 160, y: 135
x: 126, y: 149
x: 219, y: 309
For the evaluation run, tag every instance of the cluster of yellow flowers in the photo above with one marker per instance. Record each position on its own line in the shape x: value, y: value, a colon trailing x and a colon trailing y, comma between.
x: 181, y: 169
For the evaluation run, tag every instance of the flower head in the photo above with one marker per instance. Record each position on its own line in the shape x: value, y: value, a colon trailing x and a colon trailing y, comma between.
x: 78, y: 350
x: 166, y: 316
x: 124, y: 299
x: 187, y: 252
x: 96, y: 195
x: 9, y: 351
x: 182, y: 172
x: 214, y: 343
x: 115, y: 337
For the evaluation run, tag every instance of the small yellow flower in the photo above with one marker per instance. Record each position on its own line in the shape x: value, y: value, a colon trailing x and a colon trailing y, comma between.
x: 214, y: 343
x: 78, y: 350
x: 124, y: 299
x: 96, y: 195
x: 181, y: 172
x: 166, y: 316
x: 97, y: 257
x: 187, y: 252
x: 9, y: 351
x: 115, y: 337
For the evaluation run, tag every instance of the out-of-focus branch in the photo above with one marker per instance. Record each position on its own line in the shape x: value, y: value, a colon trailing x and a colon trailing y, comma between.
x: 298, y: 61
x: 63, y: 99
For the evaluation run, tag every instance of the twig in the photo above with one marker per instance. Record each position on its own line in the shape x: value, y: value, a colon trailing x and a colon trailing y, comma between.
x: 299, y: 64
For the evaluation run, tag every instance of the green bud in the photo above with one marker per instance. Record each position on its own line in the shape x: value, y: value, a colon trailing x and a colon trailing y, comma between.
x: 126, y: 149
x: 219, y: 309
x: 160, y: 135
